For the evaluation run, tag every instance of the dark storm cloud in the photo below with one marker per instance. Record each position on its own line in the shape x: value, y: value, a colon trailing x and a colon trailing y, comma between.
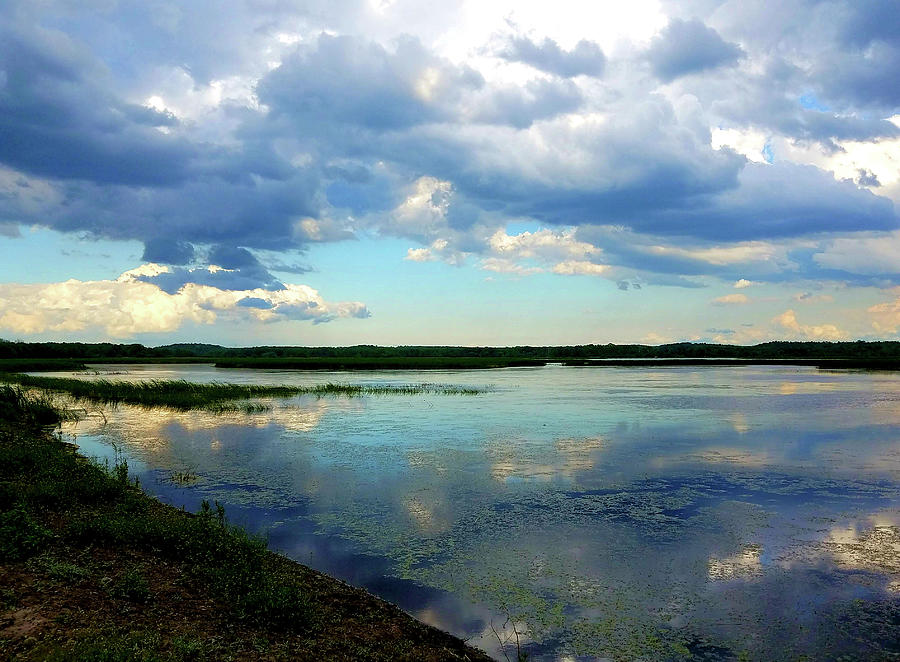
x: 232, y: 257
x: 638, y: 162
x: 770, y: 202
x: 353, y: 81
x: 586, y: 58
x: 238, y: 269
x: 58, y: 120
x: 864, y: 73
x: 350, y: 90
x: 846, y: 50
x: 863, y: 79
x: 254, y: 302
x: 168, y: 251
x: 283, y: 267
x: 117, y: 176
x: 247, y: 278
x: 785, y: 200
x: 309, y: 310
x: 254, y: 212
x: 687, y: 47
x: 521, y: 106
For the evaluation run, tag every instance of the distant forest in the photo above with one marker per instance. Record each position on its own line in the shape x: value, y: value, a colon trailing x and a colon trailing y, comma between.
x: 882, y: 350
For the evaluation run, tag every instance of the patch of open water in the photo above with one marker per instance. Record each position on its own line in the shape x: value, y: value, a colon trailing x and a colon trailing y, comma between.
x: 743, y: 512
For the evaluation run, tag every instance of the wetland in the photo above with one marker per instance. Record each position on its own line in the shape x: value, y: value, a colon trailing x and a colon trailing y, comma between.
x: 677, y: 512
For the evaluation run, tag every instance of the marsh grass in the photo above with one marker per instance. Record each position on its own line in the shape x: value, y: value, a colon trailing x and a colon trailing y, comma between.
x: 216, y: 397
x: 40, y: 474
x: 31, y: 409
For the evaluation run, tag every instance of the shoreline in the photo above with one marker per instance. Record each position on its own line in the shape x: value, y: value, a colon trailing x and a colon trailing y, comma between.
x: 91, y: 560
x: 440, y: 363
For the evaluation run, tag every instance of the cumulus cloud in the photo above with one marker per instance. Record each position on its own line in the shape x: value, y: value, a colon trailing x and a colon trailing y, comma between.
x: 354, y: 81
x: 788, y: 321
x: 586, y: 58
x: 545, y: 244
x: 423, y: 214
x: 742, y: 283
x: 686, y: 47
x: 886, y: 316
x: 131, y: 305
x: 60, y: 121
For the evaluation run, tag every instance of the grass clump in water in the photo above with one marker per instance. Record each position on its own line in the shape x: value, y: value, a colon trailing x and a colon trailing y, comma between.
x: 30, y: 409
x: 217, y: 396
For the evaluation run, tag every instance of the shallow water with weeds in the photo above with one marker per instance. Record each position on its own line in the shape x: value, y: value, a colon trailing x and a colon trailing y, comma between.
x: 660, y: 513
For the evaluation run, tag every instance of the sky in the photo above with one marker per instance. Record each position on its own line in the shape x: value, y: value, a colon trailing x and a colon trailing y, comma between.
x: 467, y: 172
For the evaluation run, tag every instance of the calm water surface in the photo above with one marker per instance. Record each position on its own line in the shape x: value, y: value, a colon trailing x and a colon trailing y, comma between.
x: 626, y: 513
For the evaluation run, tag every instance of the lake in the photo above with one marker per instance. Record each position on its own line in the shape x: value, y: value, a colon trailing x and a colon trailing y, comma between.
x: 628, y: 513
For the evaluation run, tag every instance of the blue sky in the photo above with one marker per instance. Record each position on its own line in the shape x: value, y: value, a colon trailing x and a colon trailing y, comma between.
x: 394, y: 172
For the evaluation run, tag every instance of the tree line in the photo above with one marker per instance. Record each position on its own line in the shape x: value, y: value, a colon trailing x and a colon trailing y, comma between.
x: 769, y: 350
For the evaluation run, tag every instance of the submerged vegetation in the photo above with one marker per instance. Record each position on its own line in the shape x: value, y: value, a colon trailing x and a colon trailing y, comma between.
x: 184, y: 395
x: 92, y: 568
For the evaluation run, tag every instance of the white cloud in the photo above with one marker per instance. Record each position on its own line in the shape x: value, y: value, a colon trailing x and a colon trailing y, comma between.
x: 322, y: 229
x: 127, y: 306
x: 748, y: 251
x: 788, y: 321
x: 542, y: 244
x: 420, y: 255
x: 579, y: 268
x: 423, y: 214
x: 730, y: 299
x: 506, y: 266
x: 747, y: 142
x: 886, y: 316
x: 439, y: 249
x: 869, y: 254
x: 742, y: 283
x: 879, y: 158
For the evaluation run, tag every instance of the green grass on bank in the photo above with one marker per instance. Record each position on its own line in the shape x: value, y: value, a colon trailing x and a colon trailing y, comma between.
x: 183, y: 395
x: 102, y: 506
x: 91, y: 568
